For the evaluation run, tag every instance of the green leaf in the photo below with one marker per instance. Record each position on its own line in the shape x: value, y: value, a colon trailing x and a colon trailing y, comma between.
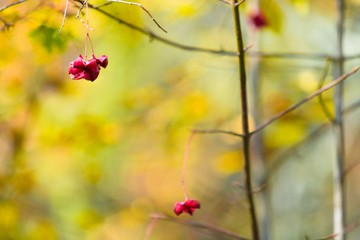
x: 48, y: 37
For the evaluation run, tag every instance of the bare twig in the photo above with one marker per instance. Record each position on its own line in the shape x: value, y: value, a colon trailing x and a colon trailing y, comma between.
x: 85, y: 23
x: 323, y: 105
x: 308, y: 139
x: 11, y: 4
x: 157, y: 37
x: 194, y: 224
x: 143, y: 8
x: 225, y: 1
x: 150, y: 228
x: 305, y: 100
x: 221, y: 52
x: 64, y: 16
x: 351, y: 166
x: 347, y: 230
x: 232, y: 3
x: 352, y: 107
x: 215, y: 131
x: 255, y: 190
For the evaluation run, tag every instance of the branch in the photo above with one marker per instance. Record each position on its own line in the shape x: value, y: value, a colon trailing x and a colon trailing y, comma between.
x: 323, y: 105
x: 305, y: 100
x: 215, y: 131
x: 140, y: 6
x: 347, y: 230
x: 339, y: 193
x: 351, y: 166
x: 64, y: 16
x: 11, y: 4
x: 308, y: 139
x: 154, y: 36
x: 247, y: 173
x: 221, y: 52
x: 194, y: 224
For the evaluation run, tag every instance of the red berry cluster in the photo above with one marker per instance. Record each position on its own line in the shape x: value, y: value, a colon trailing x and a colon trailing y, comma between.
x: 87, y: 69
x: 187, y: 206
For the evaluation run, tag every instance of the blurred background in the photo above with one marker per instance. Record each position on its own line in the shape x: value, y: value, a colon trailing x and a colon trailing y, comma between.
x: 93, y: 160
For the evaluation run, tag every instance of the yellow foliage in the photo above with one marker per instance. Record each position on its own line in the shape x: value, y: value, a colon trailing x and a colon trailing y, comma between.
x: 302, y: 6
x: 43, y: 230
x: 229, y: 162
x: 195, y: 105
x: 88, y: 218
x: 9, y: 215
x: 307, y: 81
x: 284, y: 134
x: 186, y: 10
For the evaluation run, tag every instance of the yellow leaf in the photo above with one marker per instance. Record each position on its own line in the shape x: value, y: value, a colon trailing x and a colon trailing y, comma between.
x: 229, y: 162
x: 273, y: 14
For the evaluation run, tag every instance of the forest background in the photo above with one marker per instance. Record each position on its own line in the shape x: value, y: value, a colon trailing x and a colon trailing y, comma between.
x: 95, y: 160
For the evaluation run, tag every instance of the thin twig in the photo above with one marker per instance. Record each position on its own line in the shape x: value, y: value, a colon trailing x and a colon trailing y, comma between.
x: 352, y: 107
x: 351, y: 166
x: 322, y: 103
x: 194, y: 224
x: 221, y: 52
x: 11, y: 4
x: 86, y: 24
x: 225, y: 1
x: 305, y: 100
x: 347, y: 230
x: 64, y: 16
x: 150, y: 228
x: 255, y: 190
x: 232, y: 3
x: 307, y: 140
x: 290, y: 55
x: 157, y: 37
x: 143, y: 8
x: 215, y: 131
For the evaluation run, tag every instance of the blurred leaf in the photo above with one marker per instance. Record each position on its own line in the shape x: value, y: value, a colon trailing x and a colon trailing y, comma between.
x: 229, y: 162
x: 301, y: 6
x: 24, y: 181
x: 88, y: 218
x: 9, y: 215
x: 273, y: 14
x: 186, y: 10
x: 48, y: 37
x: 43, y: 230
x: 284, y: 133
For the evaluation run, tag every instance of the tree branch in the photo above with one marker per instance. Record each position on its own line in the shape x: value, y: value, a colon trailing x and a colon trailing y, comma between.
x: 11, y: 4
x: 245, y: 120
x: 215, y: 131
x: 194, y: 224
x: 305, y: 100
x: 323, y: 105
x: 142, y: 7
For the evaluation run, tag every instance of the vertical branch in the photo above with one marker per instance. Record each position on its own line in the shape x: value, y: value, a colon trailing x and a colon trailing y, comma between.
x: 339, y: 188
x: 245, y: 121
x: 258, y: 140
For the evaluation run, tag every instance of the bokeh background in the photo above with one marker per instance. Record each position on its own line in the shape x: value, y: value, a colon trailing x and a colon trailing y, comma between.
x: 93, y: 160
